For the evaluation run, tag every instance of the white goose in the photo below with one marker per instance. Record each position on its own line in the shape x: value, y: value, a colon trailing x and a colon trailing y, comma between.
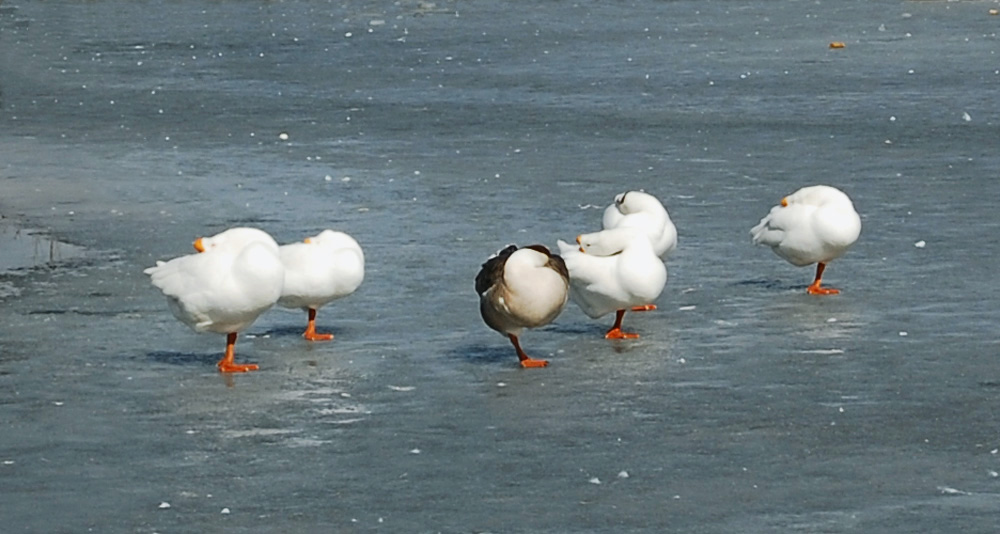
x: 815, y: 224
x: 633, y: 275
x: 235, y: 276
x: 632, y: 209
x: 318, y: 271
x: 522, y: 288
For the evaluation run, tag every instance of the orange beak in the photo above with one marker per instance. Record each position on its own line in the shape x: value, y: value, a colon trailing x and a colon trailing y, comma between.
x: 308, y: 240
x: 579, y: 243
x: 784, y: 203
x: 198, y: 245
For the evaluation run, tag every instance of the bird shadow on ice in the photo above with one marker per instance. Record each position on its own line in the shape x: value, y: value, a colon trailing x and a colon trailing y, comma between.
x: 184, y: 358
x: 289, y: 331
x: 769, y: 284
x: 479, y: 353
x: 580, y: 327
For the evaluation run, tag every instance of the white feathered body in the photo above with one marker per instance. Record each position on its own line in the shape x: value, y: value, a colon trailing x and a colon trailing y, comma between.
x: 327, y: 267
x: 225, y: 288
x: 632, y: 210
x: 631, y: 276
x: 814, y: 224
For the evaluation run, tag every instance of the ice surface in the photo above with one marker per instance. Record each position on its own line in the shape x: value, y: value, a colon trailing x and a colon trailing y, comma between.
x: 436, y: 137
x: 22, y: 248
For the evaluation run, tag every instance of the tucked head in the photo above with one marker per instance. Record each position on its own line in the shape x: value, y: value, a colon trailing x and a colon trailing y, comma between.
x: 636, y: 201
x: 332, y: 238
x: 817, y: 195
x: 539, y: 254
x: 234, y: 239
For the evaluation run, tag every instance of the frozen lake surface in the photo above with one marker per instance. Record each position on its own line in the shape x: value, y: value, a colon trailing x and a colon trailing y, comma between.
x: 436, y: 134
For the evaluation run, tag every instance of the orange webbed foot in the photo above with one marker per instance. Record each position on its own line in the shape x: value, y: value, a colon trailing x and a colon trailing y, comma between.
x: 526, y: 361
x: 310, y: 333
x: 816, y: 290
x: 617, y: 333
x: 230, y: 367
x: 313, y: 336
x: 227, y: 365
x: 644, y: 308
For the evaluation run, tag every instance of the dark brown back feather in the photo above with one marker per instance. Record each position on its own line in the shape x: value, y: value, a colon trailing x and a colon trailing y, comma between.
x: 557, y: 264
x: 492, y: 270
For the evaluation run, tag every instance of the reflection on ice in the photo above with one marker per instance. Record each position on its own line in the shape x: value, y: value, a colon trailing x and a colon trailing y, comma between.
x: 23, y: 249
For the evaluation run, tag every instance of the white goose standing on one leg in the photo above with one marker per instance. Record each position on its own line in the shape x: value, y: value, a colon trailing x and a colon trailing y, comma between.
x: 319, y: 270
x: 815, y: 224
x: 522, y: 288
x: 235, y: 277
x: 632, y: 210
x: 632, y: 275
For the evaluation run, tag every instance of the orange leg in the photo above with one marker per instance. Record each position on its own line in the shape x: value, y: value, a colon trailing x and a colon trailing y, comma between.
x: 310, y: 332
x: 526, y: 361
x: 226, y: 365
x: 814, y: 288
x: 616, y: 330
x: 644, y: 307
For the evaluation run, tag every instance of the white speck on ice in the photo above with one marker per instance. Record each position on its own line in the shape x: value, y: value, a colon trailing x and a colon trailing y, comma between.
x: 993, y: 474
x: 402, y: 388
x: 594, y: 481
x: 224, y: 511
x: 414, y: 451
x: 966, y: 117
x: 951, y: 491
x: 686, y: 308
x: 345, y: 395
x: 920, y: 244
x: 345, y: 179
x: 8, y: 462
x: 623, y: 474
x: 283, y: 136
x: 164, y: 505
x: 501, y: 384
x: 904, y: 334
